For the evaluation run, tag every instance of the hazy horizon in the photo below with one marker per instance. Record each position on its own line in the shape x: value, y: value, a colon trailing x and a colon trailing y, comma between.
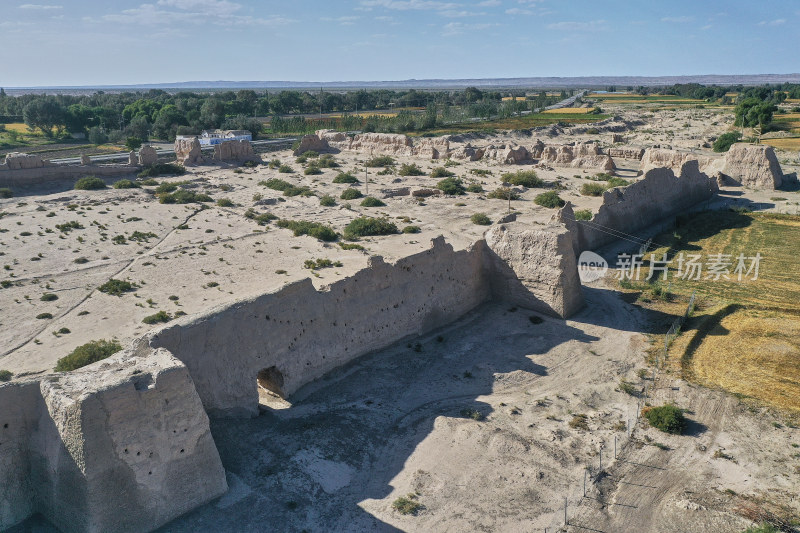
x: 130, y: 42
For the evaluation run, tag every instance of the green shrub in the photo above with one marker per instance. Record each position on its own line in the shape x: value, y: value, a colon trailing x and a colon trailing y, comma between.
x: 583, y: 214
x: 157, y: 318
x: 285, y: 169
x: 472, y: 413
x: 441, y: 172
x: 225, y: 202
x: 350, y: 194
x: 380, y: 161
x: 312, y: 229
x: 452, y: 186
x: 326, y: 161
x: 474, y: 187
x: 5, y: 192
x: 125, y: 184
x: 480, y: 219
x: 616, y: 182
x: 345, y: 177
x: 327, y: 201
x: 183, y: 197
x: 276, y: 184
x: 365, y: 226
x: 66, y: 227
x: 725, y: 141
x: 44, y: 316
x: 262, y: 218
x: 149, y: 182
x: 410, y: 170
x: 524, y: 178
x: 166, y: 187
x: 298, y: 191
x: 628, y: 388
x: 592, y: 189
x: 89, y: 183
x: 162, y: 169
x: 48, y: 297
x: 89, y: 353
x: 316, y: 264
x: 502, y: 193
x: 371, y: 201
x: 667, y: 418
x: 6, y: 375
x: 407, y: 505
x: 116, y: 287
x: 411, y: 229
x: 312, y: 170
x: 549, y: 199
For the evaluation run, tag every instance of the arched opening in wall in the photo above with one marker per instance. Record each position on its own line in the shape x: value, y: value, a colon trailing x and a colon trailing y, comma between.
x: 270, y: 389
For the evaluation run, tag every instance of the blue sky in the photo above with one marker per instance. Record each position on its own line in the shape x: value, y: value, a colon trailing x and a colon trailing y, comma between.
x: 57, y: 42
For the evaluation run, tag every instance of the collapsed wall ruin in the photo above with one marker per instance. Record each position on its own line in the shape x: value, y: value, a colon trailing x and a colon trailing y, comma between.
x: 124, y: 444
x: 749, y: 165
x: 577, y: 155
x: 660, y: 194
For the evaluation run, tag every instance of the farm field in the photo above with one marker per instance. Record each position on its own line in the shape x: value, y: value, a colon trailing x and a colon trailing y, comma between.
x: 570, y: 111
x: 743, y: 336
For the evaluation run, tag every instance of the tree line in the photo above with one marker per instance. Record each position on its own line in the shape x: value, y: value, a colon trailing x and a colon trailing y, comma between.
x: 163, y: 115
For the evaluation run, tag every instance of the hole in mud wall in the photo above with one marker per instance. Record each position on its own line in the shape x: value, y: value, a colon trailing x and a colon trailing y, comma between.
x: 271, y: 380
x: 270, y: 389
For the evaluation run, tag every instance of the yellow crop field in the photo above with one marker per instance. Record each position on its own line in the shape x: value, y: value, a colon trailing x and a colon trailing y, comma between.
x: 19, y: 127
x: 786, y: 143
x: 571, y: 110
x: 744, y: 336
x: 513, y: 98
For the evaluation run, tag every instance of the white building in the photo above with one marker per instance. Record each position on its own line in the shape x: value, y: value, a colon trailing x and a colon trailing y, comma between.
x: 212, y: 137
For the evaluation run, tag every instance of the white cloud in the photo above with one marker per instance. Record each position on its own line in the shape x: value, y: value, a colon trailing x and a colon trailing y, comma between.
x: 457, y: 28
x: 776, y: 22
x: 198, y: 12
x: 679, y: 20
x: 344, y: 20
x: 592, y: 25
x: 406, y: 5
x: 40, y: 7
x: 706, y: 27
x: 489, y: 3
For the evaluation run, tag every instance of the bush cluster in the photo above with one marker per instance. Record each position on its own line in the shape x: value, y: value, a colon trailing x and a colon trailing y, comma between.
x: 668, y: 418
x: 452, y: 186
x: 312, y: 229
x: 410, y: 170
x: 89, y: 353
x: 523, y: 178
x: 549, y: 199
x: 163, y: 169
x: 366, y: 226
x: 89, y: 183
x: 480, y: 219
x: 116, y: 287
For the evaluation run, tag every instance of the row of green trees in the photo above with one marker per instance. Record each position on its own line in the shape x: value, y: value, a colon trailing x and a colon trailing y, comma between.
x: 163, y: 115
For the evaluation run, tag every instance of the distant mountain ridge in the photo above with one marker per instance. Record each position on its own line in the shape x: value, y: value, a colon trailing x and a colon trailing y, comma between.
x: 535, y: 82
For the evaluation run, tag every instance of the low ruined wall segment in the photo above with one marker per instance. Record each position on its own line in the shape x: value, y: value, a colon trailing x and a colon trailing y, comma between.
x: 659, y: 194
x: 305, y: 333
x: 38, y: 176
